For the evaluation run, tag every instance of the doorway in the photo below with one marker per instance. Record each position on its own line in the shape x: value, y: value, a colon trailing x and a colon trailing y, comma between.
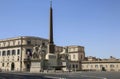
x: 12, y: 66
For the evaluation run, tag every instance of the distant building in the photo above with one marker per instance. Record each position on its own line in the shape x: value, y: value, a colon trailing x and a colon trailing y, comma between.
x: 97, y: 64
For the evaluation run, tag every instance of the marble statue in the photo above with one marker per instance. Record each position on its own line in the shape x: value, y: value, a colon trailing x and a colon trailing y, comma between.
x: 35, y: 52
x: 64, y: 54
x: 39, y: 52
x: 42, y: 51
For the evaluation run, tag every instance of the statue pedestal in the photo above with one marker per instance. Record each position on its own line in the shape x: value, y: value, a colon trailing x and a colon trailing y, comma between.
x: 35, y: 66
x: 51, y: 60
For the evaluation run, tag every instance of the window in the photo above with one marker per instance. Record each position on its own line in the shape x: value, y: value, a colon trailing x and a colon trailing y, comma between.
x: 8, y: 52
x: 3, y: 53
x: 2, y: 64
x: 28, y: 42
x: 111, y: 66
x: 96, y: 66
x: 73, y: 66
x: 18, y: 51
x: 73, y: 56
x: 76, y: 66
x: 13, y: 52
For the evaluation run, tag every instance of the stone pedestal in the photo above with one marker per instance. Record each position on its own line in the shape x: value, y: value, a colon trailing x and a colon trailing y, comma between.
x: 35, y: 66
x: 51, y: 60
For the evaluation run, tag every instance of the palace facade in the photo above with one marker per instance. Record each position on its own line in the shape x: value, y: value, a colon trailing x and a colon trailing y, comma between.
x: 14, y: 51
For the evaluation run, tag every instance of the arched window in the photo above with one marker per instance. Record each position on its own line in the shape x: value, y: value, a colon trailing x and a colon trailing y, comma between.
x: 13, y: 52
x: 3, y: 53
x: 8, y: 52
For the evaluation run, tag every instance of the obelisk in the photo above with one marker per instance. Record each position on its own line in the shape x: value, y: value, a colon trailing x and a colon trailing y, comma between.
x: 51, y: 56
x: 51, y: 46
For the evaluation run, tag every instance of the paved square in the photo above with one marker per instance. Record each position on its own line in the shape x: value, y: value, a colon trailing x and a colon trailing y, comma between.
x: 71, y: 75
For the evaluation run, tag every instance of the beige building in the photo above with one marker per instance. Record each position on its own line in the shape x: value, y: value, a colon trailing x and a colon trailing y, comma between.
x: 15, y: 53
x: 96, y: 64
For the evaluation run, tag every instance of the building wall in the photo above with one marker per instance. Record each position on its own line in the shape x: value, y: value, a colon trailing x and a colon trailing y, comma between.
x: 76, y: 55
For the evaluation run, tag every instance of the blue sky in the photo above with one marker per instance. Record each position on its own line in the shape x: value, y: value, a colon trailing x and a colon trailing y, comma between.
x: 94, y: 24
